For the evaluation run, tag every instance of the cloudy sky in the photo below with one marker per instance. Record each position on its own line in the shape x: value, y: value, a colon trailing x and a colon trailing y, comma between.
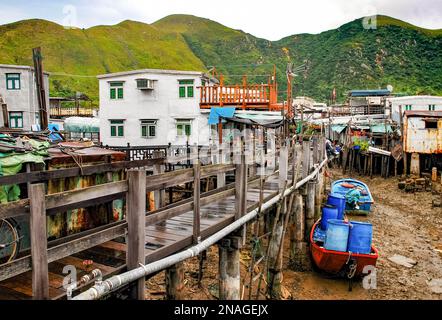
x: 269, y: 19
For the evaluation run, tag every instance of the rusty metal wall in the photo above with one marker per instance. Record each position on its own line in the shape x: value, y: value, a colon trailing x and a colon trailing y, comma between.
x: 77, y: 220
x: 418, y: 139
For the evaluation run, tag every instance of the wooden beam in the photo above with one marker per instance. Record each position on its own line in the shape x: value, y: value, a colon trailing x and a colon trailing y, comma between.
x: 168, y: 179
x: 39, y: 243
x: 65, y: 249
x: 185, y: 207
x: 14, y: 209
x: 76, y: 198
x: 41, y: 176
x: 136, y: 210
x: 196, y: 202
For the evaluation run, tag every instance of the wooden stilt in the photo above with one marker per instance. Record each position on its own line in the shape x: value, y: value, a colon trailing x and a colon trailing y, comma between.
x: 309, y: 208
x: 229, y: 269
x: 298, y: 247
x: 175, y: 282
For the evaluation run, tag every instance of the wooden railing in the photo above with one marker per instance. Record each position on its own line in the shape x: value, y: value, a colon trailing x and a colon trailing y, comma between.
x: 262, y: 96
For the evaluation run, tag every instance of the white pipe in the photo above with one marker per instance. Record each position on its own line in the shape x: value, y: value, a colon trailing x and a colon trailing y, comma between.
x: 102, y: 288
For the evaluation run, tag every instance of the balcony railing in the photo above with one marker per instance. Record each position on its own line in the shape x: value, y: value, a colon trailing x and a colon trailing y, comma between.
x: 261, y: 96
x: 60, y: 112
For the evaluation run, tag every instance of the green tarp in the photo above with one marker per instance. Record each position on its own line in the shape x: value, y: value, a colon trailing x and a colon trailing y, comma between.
x: 338, y: 128
x: 381, y: 128
x: 12, y: 163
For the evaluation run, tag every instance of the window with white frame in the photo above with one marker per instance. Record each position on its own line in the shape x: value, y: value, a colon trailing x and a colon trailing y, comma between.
x: 116, y: 90
x: 183, y: 127
x: 16, y: 119
x: 116, y: 128
x: 148, y: 128
x: 431, y: 107
x: 13, y: 81
x: 186, y: 88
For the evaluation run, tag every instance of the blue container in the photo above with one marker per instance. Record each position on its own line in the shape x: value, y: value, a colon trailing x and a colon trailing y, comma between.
x: 338, y: 201
x: 359, y: 240
x: 328, y: 212
x: 336, y: 237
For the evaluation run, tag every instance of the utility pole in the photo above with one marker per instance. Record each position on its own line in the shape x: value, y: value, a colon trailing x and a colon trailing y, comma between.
x: 41, y: 92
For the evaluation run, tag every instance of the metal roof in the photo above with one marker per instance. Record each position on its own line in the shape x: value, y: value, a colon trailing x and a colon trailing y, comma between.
x: 152, y: 71
x: 434, y: 114
x: 369, y: 93
x: 14, y: 66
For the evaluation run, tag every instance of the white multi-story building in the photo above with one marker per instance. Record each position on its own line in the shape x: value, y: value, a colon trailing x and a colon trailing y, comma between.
x: 413, y: 103
x: 19, y: 93
x: 152, y: 107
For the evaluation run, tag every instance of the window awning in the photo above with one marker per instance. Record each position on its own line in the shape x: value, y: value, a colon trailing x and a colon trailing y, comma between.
x: 381, y: 128
x: 338, y: 128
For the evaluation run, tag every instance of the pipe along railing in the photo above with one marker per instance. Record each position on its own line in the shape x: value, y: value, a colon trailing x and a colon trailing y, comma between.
x: 102, y: 288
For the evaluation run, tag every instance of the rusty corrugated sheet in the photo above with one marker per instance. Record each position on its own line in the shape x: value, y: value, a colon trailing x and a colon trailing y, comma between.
x: 418, y: 138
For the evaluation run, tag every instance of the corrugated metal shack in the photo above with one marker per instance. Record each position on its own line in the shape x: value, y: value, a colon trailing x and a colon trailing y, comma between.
x: 422, y: 140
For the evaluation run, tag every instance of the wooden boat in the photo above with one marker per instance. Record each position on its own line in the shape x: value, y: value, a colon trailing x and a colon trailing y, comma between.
x: 339, y: 263
x: 343, y: 186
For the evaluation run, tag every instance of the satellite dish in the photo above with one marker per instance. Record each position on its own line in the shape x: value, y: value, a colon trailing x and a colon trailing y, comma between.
x: 390, y: 88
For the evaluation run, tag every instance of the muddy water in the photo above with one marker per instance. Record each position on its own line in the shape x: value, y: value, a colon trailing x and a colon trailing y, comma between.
x: 403, y: 223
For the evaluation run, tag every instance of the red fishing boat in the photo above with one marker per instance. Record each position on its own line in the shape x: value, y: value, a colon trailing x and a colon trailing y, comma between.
x: 341, y: 263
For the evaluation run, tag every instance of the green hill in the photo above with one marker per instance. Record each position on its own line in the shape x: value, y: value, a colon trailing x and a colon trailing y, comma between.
x: 86, y: 53
x: 350, y: 57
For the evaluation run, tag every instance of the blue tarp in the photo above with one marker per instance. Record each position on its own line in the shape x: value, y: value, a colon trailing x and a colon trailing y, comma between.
x: 54, y: 136
x: 215, y: 113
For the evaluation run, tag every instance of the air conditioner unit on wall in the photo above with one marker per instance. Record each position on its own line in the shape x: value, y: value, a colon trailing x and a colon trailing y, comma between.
x: 145, y: 84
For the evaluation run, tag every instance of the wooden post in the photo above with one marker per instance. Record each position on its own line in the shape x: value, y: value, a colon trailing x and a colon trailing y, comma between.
x: 5, y: 113
x: 318, y: 196
x: 283, y: 166
x: 305, y: 162
x: 309, y: 209
x: 175, y: 282
x: 196, y: 202
x: 274, y: 258
x: 241, y: 190
x: 315, y: 150
x: 405, y: 163
x: 159, y: 195
x: 136, y: 213
x: 39, y: 242
x: 40, y: 86
x: 220, y: 177
x: 229, y: 269
x: 298, y: 247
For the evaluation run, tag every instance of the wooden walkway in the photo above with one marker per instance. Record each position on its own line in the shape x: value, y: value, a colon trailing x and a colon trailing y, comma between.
x: 168, y: 230
x: 162, y: 239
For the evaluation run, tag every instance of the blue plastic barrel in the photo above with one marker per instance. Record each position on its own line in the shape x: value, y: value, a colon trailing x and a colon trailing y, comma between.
x: 360, y: 237
x: 337, y: 200
x: 328, y: 212
x: 336, y: 237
